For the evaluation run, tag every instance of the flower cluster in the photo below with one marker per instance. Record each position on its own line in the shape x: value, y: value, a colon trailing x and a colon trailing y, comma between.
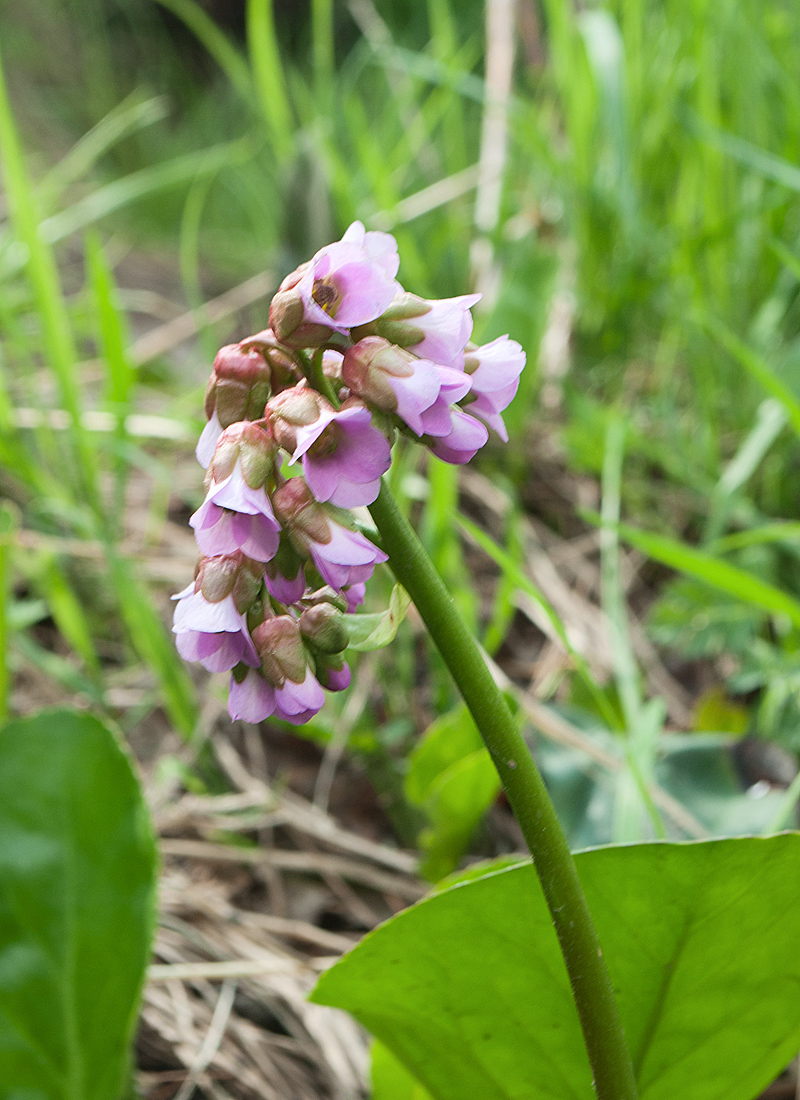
x: 350, y: 359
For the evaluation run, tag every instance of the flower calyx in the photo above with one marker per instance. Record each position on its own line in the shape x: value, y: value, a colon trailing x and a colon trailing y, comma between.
x: 230, y: 575
x: 250, y: 443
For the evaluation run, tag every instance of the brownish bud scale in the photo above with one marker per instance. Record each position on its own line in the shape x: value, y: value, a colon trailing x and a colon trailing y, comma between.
x: 280, y: 646
x: 247, y: 586
x: 325, y: 628
x: 298, y: 512
x: 239, y: 387
x: 368, y: 366
x: 230, y: 575
x: 217, y: 576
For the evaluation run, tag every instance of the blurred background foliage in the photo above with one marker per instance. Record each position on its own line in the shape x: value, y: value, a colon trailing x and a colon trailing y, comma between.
x: 645, y: 250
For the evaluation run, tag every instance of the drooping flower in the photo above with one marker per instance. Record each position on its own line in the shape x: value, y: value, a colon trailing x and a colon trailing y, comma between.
x: 391, y: 379
x: 283, y: 686
x: 237, y: 514
x: 454, y: 385
x: 341, y: 557
x: 210, y: 618
x: 494, y: 369
x: 465, y: 438
x: 344, y: 455
x: 346, y: 283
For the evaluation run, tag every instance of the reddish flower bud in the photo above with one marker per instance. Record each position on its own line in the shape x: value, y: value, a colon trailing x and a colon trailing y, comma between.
x: 280, y: 648
x: 239, y: 387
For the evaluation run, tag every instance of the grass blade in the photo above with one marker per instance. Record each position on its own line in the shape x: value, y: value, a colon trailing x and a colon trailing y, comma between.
x: 59, y: 345
x: 704, y: 566
x: 756, y: 365
x: 216, y: 42
x: 270, y: 82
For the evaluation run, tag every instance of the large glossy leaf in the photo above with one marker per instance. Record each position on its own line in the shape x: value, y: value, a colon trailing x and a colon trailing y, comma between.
x: 702, y: 940
x: 77, y: 882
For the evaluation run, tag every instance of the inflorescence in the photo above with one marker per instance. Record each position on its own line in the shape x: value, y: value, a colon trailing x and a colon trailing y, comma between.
x: 349, y: 360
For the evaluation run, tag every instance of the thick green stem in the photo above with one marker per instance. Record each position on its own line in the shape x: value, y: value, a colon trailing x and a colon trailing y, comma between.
x: 591, y: 984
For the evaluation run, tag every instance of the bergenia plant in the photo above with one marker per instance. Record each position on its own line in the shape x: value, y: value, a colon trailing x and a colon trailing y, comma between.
x: 301, y: 421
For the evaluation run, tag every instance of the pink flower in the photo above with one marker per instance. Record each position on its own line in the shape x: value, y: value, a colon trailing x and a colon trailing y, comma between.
x: 344, y: 455
x: 237, y: 514
x: 437, y: 329
x: 463, y: 441
x: 210, y: 617
x: 454, y: 385
x: 253, y: 698
x: 284, y: 685
x: 381, y: 248
x: 447, y: 328
x: 342, y: 557
x: 347, y: 283
x: 494, y: 369
x: 391, y: 379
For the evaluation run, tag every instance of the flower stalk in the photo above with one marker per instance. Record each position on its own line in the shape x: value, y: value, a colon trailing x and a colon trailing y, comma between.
x: 603, y: 1033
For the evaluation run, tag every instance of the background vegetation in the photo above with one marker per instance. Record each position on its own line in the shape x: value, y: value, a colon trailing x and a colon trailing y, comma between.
x: 639, y: 234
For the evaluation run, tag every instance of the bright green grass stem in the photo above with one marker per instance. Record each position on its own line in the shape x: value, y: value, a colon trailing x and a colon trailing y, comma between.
x: 591, y: 984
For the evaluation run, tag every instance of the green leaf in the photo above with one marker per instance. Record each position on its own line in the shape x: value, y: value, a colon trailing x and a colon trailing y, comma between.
x: 391, y: 1080
x: 77, y: 890
x: 468, y: 988
x: 451, y: 777
x: 376, y: 629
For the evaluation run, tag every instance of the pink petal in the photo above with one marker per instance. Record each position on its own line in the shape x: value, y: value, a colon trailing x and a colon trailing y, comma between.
x: 252, y: 700
x: 207, y: 443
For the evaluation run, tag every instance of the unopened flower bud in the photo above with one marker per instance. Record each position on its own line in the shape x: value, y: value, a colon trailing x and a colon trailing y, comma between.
x: 239, y: 386
x: 282, y: 365
x: 326, y: 595
x: 333, y: 672
x: 280, y: 647
x: 324, y: 628
x: 250, y: 443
